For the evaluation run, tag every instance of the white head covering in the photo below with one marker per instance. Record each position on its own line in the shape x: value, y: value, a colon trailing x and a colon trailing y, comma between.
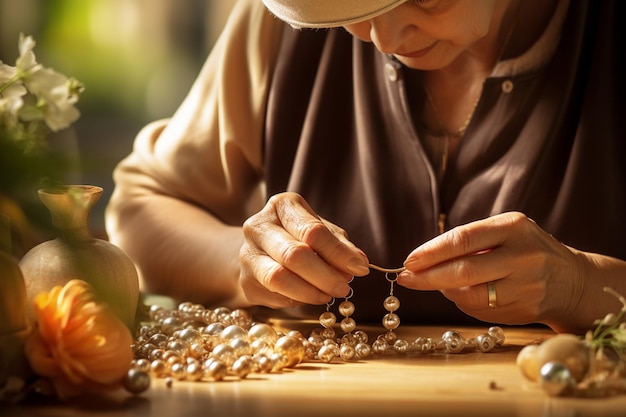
x: 328, y: 13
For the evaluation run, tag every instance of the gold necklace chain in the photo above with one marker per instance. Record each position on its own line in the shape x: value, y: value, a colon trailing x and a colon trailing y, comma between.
x: 461, y: 130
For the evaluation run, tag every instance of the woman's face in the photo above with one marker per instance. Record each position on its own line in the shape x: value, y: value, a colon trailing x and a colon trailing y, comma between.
x: 428, y: 34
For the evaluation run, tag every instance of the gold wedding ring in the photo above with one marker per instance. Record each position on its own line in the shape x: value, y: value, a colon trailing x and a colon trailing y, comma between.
x: 491, y: 292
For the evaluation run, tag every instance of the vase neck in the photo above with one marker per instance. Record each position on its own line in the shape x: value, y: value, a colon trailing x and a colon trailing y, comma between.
x: 70, y: 208
x: 74, y: 234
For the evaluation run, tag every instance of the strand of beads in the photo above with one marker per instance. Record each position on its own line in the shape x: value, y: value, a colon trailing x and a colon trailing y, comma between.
x: 451, y: 340
x: 391, y: 321
x: 193, y: 343
x: 353, y: 343
x: 324, y: 341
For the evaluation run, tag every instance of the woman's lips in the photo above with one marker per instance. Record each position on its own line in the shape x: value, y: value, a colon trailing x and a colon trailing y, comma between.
x: 420, y: 53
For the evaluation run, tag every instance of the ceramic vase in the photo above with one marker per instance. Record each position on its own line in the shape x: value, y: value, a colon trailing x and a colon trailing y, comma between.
x: 76, y: 254
x: 14, y: 325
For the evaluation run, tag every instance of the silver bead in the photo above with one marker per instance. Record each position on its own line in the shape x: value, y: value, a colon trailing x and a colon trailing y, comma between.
x: 497, y: 333
x: 453, y: 341
x: 136, y: 381
x: 485, y: 343
x: 556, y: 379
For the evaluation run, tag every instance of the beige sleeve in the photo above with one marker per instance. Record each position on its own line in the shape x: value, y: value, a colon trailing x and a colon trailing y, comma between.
x: 190, y: 181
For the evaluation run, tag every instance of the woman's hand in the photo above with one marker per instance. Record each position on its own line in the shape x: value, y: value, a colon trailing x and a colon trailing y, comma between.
x: 536, y: 278
x: 291, y: 256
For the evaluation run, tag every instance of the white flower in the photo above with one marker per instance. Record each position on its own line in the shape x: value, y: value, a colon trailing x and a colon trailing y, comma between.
x: 11, y: 102
x: 6, y: 73
x: 30, y: 92
x: 55, y: 97
x: 26, y: 62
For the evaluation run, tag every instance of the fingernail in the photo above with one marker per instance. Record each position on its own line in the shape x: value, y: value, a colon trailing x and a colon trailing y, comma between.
x: 405, y: 278
x: 356, y: 267
x: 411, y: 264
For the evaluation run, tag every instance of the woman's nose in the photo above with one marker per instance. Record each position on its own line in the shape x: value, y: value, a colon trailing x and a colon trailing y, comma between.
x: 389, y: 31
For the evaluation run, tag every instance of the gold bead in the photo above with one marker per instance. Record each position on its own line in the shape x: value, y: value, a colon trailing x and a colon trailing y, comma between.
x: 328, y: 319
x: 348, y: 324
x: 194, y: 371
x: 158, y: 367
x: 233, y: 332
x: 346, y: 308
x: 263, y: 332
x: 242, y: 366
x: 292, y: 347
x: 216, y: 370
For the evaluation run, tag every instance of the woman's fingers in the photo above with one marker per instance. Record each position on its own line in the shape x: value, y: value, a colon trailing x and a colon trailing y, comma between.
x: 291, y: 253
x: 467, y: 239
x: 327, y: 240
x: 509, y: 252
x: 464, y: 271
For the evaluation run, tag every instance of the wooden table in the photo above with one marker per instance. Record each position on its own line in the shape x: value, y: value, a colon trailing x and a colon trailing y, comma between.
x: 466, y: 384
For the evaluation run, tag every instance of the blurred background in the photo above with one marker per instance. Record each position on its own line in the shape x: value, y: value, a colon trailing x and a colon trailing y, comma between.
x: 137, y: 59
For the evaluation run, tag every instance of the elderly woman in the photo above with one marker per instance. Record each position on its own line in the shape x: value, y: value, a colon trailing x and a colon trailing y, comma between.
x: 474, y: 147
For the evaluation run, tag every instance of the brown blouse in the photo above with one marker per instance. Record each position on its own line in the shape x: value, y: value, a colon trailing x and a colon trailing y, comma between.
x: 548, y: 142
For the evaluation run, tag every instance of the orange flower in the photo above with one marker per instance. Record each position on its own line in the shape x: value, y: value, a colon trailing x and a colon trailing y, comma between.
x: 78, y: 343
